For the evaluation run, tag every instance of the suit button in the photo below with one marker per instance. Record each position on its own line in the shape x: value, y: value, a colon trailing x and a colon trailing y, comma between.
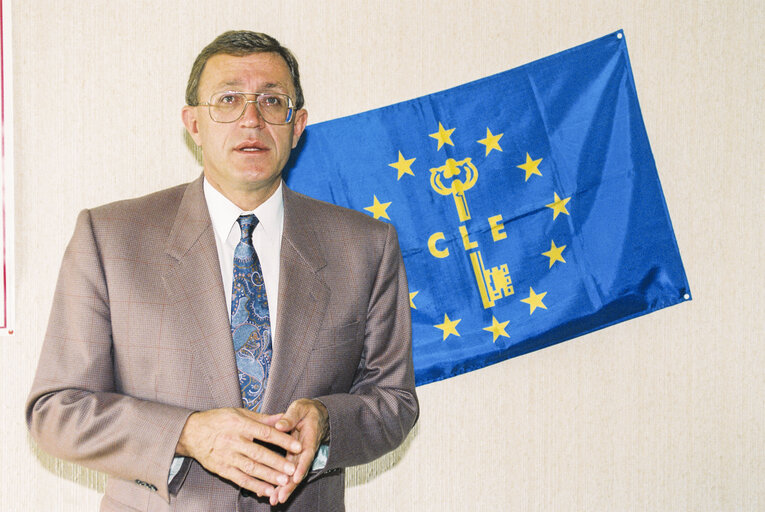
x: 146, y: 484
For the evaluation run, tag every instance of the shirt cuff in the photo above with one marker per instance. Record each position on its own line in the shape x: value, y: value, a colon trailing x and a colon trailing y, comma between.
x: 320, y: 459
x: 175, y: 466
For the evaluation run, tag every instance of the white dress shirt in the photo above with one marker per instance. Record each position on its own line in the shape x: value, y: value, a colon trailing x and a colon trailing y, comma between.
x: 266, y: 238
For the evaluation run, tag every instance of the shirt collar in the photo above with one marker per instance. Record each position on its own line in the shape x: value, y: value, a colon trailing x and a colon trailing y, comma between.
x: 224, y: 213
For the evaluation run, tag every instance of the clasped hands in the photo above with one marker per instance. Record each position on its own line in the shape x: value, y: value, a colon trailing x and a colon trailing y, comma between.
x: 228, y: 443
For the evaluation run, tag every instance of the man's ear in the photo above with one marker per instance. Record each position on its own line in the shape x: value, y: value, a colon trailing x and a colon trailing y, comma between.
x: 301, y: 118
x: 189, y: 116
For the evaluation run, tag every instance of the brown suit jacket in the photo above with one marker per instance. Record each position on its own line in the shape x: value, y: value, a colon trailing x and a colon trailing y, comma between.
x: 139, y: 338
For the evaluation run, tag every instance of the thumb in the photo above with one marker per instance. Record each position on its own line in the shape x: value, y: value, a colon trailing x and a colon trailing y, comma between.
x: 289, y: 419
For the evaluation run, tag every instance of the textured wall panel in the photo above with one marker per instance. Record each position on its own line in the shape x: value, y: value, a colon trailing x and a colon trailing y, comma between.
x: 660, y: 413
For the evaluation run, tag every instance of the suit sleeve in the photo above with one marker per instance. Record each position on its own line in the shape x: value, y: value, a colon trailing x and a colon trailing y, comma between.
x: 381, y: 407
x: 74, y: 410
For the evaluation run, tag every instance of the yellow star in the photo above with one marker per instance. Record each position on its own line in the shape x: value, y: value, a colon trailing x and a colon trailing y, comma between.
x: 530, y: 166
x: 411, y: 299
x: 555, y: 253
x: 403, y: 166
x: 378, y: 209
x: 443, y: 136
x: 449, y: 326
x: 491, y: 142
x: 535, y: 300
x: 497, y: 328
x: 558, y: 206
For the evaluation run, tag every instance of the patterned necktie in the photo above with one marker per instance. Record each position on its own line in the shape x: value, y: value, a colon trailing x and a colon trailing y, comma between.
x: 250, y: 326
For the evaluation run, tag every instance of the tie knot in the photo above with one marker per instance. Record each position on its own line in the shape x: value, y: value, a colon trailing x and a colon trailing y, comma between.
x: 247, y: 224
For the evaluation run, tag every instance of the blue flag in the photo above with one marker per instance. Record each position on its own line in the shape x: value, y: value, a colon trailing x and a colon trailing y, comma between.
x: 527, y: 204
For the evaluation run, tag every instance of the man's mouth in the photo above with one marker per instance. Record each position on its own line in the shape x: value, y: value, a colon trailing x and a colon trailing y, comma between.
x: 251, y: 147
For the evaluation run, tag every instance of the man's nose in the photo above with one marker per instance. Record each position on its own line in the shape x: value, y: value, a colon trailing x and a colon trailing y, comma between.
x: 251, y: 116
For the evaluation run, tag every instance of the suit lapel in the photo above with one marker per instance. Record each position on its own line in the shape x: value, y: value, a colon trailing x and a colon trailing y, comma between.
x: 303, y: 299
x: 194, y: 284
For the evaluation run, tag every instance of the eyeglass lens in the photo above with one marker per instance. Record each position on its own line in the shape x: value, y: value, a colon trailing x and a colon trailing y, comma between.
x: 229, y: 106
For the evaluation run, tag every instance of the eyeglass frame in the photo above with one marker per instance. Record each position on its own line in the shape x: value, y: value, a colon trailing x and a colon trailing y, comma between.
x: 290, y: 106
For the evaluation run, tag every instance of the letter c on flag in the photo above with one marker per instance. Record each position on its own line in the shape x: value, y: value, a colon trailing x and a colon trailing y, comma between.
x: 438, y: 253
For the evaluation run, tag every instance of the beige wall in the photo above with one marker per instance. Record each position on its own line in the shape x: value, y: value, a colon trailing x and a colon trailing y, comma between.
x: 660, y: 413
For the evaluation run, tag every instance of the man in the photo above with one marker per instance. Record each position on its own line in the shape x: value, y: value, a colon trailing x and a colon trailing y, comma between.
x: 175, y: 309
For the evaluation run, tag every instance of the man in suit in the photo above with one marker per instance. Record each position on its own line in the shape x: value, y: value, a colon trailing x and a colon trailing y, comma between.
x: 144, y: 371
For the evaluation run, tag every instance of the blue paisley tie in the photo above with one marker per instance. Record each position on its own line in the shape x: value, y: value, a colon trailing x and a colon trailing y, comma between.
x: 250, y: 326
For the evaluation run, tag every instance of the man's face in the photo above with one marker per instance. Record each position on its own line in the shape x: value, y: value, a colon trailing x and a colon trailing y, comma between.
x: 244, y: 159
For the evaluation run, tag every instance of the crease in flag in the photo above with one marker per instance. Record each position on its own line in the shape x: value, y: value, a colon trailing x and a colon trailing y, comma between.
x: 527, y: 204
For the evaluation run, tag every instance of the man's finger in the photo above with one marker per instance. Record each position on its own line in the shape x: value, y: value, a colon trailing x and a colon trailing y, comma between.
x: 262, y: 432
x: 267, y: 419
x: 305, y: 459
x: 299, y: 411
x: 245, y: 481
x: 259, y: 471
x: 294, y: 413
x: 282, y: 493
x: 263, y: 455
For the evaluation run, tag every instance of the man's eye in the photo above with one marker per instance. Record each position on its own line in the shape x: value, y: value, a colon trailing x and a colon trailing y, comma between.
x: 227, y: 100
x: 271, y: 101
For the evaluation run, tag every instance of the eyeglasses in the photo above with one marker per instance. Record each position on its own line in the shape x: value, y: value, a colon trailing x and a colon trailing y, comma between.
x: 229, y: 106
